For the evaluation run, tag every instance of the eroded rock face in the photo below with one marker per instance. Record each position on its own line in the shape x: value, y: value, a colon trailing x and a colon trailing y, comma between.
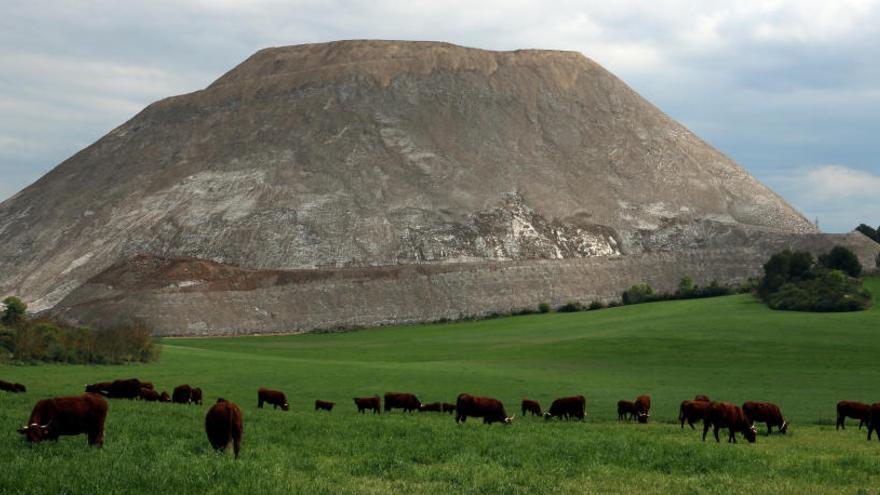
x: 374, y: 153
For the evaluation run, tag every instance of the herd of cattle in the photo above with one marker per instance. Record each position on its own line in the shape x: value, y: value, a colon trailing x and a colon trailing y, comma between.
x: 86, y: 414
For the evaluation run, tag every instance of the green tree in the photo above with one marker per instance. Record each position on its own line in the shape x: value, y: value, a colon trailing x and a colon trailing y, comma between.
x: 15, y: 313
x: 685, y: 286
x: 638, y: 293
x: 870, y: 231
x: 843, y: 259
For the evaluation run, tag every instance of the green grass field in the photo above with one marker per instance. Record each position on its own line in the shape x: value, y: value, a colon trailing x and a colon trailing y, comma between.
x: 730, y: 348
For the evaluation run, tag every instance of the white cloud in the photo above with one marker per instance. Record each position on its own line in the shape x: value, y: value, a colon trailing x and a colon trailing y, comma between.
x: 835, y: 182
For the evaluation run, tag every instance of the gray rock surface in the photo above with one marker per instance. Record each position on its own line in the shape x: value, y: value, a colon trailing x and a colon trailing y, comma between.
x: 385, y: 153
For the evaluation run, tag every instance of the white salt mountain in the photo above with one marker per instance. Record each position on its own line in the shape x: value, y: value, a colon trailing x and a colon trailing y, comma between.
x: 372, y: 158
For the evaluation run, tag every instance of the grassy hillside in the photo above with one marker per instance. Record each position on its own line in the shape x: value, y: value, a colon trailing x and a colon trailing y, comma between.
x: 730, y: 348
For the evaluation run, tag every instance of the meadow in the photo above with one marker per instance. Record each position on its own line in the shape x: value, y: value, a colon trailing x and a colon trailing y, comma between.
x: 730, y: 348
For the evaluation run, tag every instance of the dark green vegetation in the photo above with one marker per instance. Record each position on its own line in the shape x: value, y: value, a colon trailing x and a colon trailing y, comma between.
x: 731, y: 348
x: 794, y: 281
x: 870, y: 231
x: 25, y: 340
x: 642, y: 293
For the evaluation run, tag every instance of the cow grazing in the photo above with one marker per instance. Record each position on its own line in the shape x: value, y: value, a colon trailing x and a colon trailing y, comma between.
x: 182, y: 394
x: 626, y: 409
x: 643, y: 408
x: 197, y: 396
x: 447, y: 407
x: 325, y: 405
x: 531, y: 406
x: 15, y: 388
x: 851, y: 409
x: 723, y: 415
x: 274, y: 397
x: 368, y: 404
x: 52, y: 418
x: 396, y: 400
x: 97, y: 388
x: 692, y: 411
x: 164, y: 397
x: 491, y: 410
x: 874, y: 420
x: 117, y: 389
x: 150, y: 395
x: 568, y: 408
x: 703, y: 398
x: 432, y: 407
x: 148, y: 385
x: 224, y: 425
x: 765, y: 412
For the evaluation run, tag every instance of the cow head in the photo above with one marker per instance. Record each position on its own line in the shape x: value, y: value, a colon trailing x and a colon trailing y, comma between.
x: 751, y: 433
x: 547, y: 416
x: 784, y: 427
x: 285, y: 407
x: 35, y: 432
x: 508, y: 420
x: 643, y: 417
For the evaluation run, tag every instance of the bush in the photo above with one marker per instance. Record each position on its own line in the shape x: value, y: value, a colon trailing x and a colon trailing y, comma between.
x: 543, y: 308
x: 841, y: 258
x: 638, y: 293
x: 15, y: 312
x: 570, y: 307
x: 45, y: 340
x: 595, y: 305
x: 870, y: 231
x: 685, y: 287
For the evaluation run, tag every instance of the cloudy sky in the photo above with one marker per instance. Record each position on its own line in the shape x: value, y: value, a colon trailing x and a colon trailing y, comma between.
x: 789, y: 89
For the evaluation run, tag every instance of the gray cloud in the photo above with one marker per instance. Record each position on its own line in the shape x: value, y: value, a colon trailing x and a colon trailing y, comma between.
x: 779, y: 86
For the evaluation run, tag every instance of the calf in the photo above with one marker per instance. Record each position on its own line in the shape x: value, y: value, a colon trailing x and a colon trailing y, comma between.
x: 491, y: 410
x: 765, y: 412
x: 223, y: 424
x: 117, y: 389
x: 874, y: 420
x: 643, y: 408
x: 164, y: 397
x: 723, y: 415
x: 447, y: 407
x: 568, y: 408
x: 52, y: 418
x: 692, y: 411
x: 97, y: 388
x: 274, y: 397
x: 368, y: 404
x: 150, y: 395
x: 851, y: 409
x: 197, y: 396
x: 531, y: 406
x: 325, y: 405
x: 148, y: 385
x: 182, y: 394
x: 396, y: 400
x: 626, y: 409
x: 15, y: 388
x: 432, y: 407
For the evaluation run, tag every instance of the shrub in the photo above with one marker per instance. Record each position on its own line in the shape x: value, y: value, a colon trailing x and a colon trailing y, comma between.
x: 570, y: 307
x: 638, y: 293
x: 595, y: 305
x: 841, y: 258
x: 615, y: 304
x: 45, y: 340
x: 15, y: 312
x: 543, y: 308
x: 877, y: 261
x: 685, y: 287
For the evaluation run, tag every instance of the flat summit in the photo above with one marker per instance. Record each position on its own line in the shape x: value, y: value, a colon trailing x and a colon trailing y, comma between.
x: 360, y: 155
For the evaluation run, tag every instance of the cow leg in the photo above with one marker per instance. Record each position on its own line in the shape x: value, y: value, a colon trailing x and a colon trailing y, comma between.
x: 732, y: 435
x: 716, y: 428
x: 769, y: 429
x: 839, y: 422
x: 861, y: 421
x: 705, y: 429
x: 260, y: 404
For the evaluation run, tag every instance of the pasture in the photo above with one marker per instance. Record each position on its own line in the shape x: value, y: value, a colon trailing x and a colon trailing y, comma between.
x: 730, y: 348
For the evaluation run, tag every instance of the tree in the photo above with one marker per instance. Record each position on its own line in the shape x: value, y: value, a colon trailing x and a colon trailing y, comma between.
x: 15, y: 312
x: 638, y: 293
x: 870, y: 231
x: 685, y: 286
x: 841, y: 258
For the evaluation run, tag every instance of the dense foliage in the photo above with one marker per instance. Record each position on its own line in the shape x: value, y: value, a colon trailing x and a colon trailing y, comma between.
x: 870, y: 231
x: 794, y: 281
x: 687, y: 289
x: 46, y: 340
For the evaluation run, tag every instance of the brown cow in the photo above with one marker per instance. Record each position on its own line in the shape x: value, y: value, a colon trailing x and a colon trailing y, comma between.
x: 531, y: 406
x: 182, y: 394
x: 397, y: 400
x: 197, y: 396
x: 223, y: 424
x: 274, y: 397
x: 447, y: 407
x: 703, y: 398
x: 723, y: 415
x: 626, y: 409
x: 643, y: 408
x: 15, y: 388
x: 52, y: 418
x: 368, y: 403
x: 150, y: 395
x: 117, y: 389
x: 432, y: 407
x: 874, y: 420
x: 851, y: 409
x: 491, y: 410
x: 96, y: 388
x: 692, y: 411
x: 148, y: 385
x: 568, y: 408
x: 325, y: 405
x: 765, y: 412
x: 164, y: 397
